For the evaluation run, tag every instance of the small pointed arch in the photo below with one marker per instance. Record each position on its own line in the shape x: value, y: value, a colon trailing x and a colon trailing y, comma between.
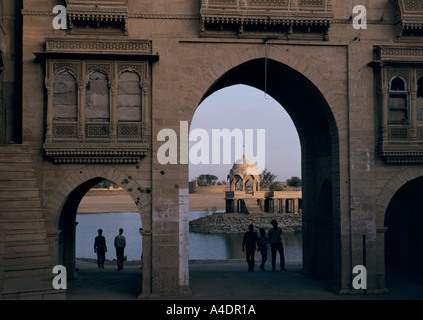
x: 65, y: 96
x: 397, y: 83
x: 129, y: 96
x: 398, y: 102
x: 97, y: 99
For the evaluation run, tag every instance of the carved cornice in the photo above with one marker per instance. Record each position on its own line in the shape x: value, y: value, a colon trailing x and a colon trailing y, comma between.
x: 402, y: 153
x: 398, y: 55
x: 98, y: 45
x: 82, y: 48
x: 96, y: 152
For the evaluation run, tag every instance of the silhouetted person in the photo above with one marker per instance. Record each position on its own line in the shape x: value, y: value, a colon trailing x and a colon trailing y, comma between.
x: 263, y: 240
x: 249, y: 245
x: 100, y: 248
x: 120, y: 243
x: 275, y: 240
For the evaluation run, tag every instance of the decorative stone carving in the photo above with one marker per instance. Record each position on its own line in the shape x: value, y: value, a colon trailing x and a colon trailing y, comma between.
x: 108, y: 119
x: 302, y: 19
x: 97, y: 14
x: 97, y: 153
x: 399, y: 143
x: 409, y: 17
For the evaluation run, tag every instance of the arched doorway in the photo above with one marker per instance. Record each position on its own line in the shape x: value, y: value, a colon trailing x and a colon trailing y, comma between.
x: 68, y: 226
x: 64, y: 201
x: 404, y: 233
x: 315, y: 123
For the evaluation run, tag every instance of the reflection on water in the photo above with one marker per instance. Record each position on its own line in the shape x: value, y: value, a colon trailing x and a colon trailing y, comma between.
x: 229, y: 246
x: 201, y: 246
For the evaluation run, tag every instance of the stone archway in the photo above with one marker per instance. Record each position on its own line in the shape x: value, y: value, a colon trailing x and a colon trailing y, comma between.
x: 404, y: 234
x: 63, y: 205
x: 318, y: 132
x: 383, y: 204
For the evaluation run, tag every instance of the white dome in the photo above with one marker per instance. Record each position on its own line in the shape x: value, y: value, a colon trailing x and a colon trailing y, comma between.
x: 244, y: 167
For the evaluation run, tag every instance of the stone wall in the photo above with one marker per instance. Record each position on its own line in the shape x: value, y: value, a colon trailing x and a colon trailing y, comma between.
x: 238, y: 222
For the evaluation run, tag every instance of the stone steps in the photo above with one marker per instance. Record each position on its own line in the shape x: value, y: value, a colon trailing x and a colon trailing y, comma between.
x: 18, y: 260
x: 19, y: 212
x: 39, y: 288
x: 23, y: 193
x: 19, y: 224
x: 252, y: 206
x: 16, y: 182
x: 25, y: 244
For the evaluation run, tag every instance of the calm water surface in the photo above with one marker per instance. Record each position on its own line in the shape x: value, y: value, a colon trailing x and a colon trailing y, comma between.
x: 201, y: 246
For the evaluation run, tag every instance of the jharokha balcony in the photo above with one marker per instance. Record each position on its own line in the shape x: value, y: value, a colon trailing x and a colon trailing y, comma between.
x: 282, y: 19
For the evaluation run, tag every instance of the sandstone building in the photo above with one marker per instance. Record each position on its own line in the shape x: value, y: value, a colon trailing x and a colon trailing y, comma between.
x: 86, y: 103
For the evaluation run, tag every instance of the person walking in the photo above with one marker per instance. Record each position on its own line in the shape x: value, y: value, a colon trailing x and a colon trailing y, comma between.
x: 275, y: 240
x: 263, y: 240
x: 100, y: 248
x: 249, y: 245
x: 120, y: 243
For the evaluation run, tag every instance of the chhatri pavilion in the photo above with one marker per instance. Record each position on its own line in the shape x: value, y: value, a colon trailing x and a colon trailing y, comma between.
x: 245, y: 195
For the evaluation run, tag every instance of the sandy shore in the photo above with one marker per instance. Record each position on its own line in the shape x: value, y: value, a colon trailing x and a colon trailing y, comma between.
x: 108, y: 203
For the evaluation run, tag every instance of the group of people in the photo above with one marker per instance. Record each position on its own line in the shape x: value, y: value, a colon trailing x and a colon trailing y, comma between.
x: 252, y: 242
x: 100, y: 248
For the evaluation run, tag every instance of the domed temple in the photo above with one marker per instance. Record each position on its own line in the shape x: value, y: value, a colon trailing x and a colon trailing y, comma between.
x: 245, y: 195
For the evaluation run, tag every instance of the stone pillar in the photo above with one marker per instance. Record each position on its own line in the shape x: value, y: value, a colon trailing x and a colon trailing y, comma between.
x: 49, y: 115
x: 283, y: 205
x: 81, y: 111
x: 113, y: 112
x: 413, y: 111
x: 1, y: 259
x: 384, y: 99
x: 295, y: 207
x: 146, y: 264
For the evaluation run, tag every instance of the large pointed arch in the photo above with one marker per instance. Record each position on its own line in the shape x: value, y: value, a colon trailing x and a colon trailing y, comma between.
x: 318, y: 132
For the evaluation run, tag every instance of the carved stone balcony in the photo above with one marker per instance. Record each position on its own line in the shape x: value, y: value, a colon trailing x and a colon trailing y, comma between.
x: 111, y: 14
x: 400, y: 111
x: 98, y: 99
x: 283, y: 19
x: 409, y: 17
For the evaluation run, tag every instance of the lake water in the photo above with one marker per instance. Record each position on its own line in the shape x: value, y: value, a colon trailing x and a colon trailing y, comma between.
x: 201, y: 246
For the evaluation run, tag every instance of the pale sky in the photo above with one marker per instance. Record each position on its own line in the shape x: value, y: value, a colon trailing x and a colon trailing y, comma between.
x: 243, y: 107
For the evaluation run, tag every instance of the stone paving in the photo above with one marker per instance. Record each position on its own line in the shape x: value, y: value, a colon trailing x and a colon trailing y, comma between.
x: 227, y: 280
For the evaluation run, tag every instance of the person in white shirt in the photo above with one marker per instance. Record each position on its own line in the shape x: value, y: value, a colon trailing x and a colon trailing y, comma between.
x: 275, y: 240
x: 120, y: 244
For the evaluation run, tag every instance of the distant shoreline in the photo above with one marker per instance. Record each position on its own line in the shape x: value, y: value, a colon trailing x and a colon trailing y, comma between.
x: 117, y: 201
